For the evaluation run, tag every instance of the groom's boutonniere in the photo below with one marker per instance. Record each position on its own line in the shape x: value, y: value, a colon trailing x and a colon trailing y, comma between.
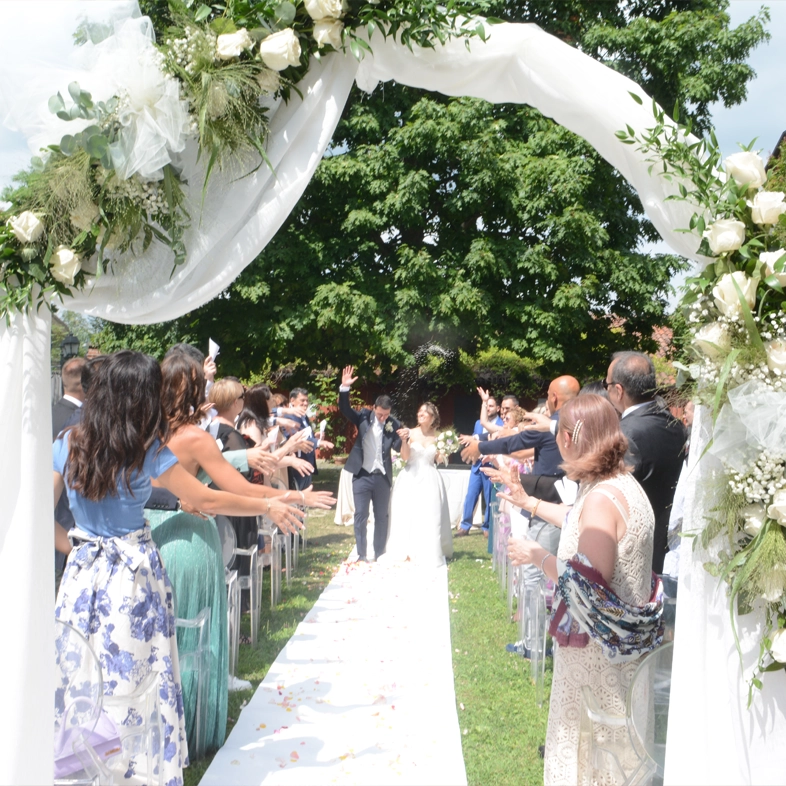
x: 389, y: 427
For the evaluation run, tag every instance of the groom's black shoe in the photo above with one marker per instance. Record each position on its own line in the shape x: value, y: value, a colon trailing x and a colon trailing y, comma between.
x: 461, y: 532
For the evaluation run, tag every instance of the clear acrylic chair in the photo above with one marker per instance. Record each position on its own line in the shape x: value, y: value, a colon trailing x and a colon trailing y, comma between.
x: 250, y: 583
x: 195, y: 661
x: 226, y: 534
x: 629, y: 749
x: 143, y: 741
x: 494, y: 519
x: 79, y: 694
x: 647, y: 708
x: 533, y: 625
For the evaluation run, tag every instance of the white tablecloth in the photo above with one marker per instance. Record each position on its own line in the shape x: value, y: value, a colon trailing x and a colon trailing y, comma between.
x: 456, y: 483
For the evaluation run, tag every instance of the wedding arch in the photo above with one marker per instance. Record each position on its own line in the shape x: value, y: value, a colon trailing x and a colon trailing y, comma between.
x: 712, y: 737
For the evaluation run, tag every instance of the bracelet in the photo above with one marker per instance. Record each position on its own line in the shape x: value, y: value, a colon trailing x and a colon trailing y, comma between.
x: 267, y: 513
x: 542, y: 562
x: 303, y: 497
x: 534, y: 510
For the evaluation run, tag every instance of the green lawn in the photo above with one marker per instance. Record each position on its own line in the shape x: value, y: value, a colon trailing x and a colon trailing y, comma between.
x: 502, y: 724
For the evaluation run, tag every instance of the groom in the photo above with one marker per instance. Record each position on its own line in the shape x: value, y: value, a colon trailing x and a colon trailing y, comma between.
x: 370, y: 464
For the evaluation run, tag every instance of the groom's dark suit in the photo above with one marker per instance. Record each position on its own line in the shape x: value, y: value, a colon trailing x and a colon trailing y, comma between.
x: 370, y: 487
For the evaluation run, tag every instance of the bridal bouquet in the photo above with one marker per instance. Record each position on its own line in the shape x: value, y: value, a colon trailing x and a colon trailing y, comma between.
x: 736, y: 312
x: 447, y: 444
x: 398, y: 462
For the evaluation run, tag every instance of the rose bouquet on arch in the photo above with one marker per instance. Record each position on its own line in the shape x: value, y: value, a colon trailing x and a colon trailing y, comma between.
x: 735, y: 307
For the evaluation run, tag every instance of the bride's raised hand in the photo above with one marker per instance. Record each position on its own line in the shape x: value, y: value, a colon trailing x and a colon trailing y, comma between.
x: 404, y: 434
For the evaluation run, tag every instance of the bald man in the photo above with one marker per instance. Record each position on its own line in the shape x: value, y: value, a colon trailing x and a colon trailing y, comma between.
x: 547, y: 455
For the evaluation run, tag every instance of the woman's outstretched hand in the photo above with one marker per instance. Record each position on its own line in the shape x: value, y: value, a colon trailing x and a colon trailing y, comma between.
x: 286, y: 517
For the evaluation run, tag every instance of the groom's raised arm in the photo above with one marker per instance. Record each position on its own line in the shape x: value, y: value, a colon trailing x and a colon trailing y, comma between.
x: 343, y: 396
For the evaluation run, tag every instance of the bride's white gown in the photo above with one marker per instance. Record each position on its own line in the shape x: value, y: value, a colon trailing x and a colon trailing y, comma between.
x: 419, y: 515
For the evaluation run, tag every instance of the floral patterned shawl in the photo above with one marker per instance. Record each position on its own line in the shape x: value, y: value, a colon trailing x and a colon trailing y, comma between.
x: 624, y: 632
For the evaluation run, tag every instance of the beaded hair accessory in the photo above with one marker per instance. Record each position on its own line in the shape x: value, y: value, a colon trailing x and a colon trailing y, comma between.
x: 577, y: 430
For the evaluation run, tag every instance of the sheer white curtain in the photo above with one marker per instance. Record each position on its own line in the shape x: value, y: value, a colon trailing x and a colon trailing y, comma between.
x: 519, y: 64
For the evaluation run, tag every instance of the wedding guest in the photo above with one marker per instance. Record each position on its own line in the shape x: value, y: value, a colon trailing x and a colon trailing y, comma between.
x: 73, y: 395
x: 190, y: 543
x: 478, y: 482
x: 656, y: 439
x: 604, y: 579
x: 298, y: 401
x: 115, y: 589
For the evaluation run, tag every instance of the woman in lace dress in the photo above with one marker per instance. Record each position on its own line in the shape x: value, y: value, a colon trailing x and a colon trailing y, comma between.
x: 603, y: 565
x: 419, y: 512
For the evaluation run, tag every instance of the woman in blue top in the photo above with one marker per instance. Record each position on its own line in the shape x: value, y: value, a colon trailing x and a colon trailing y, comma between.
x: 115, y: 589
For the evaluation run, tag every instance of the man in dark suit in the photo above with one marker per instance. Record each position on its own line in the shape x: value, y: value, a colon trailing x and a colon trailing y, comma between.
x: 656, y: 439
x: 73, y: 395
x: 370, y: 464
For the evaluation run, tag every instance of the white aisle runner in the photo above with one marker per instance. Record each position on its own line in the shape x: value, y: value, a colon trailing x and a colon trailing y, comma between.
x: 362, y: 693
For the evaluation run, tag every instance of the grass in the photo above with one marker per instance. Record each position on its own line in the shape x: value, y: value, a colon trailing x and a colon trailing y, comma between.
x: 504, y: 726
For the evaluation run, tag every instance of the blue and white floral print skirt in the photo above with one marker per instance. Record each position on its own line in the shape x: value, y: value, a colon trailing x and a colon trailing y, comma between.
x: 116, y: 592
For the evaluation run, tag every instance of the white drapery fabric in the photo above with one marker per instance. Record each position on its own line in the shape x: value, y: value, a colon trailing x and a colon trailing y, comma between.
x: 712, y: 736
x: 519, y: 64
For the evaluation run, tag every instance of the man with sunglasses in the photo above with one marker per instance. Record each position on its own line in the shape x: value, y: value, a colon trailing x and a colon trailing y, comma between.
x: 656, y: 438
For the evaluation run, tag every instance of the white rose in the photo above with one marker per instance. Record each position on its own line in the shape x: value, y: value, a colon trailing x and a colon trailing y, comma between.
x: 322, y: 9
x: 777, y: 510
x: 232, y: 45
x: 746, y: 168
x: 726, y: 298
x: 280, y: 50
x: 328, y: 31
x: 269, y: 81
x: 85, y: 216
x: 776, y: 355
x: 778, y: 646
x: 65, y: 264
x: 712, y: 340
x: 767, y: 207
x: 769, y: 258
x: 755, y: 516
x: 726, y: 234
x: 26, y: 226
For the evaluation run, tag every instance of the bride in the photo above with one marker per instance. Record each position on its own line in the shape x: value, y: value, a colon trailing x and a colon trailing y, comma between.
x: 420, y: 517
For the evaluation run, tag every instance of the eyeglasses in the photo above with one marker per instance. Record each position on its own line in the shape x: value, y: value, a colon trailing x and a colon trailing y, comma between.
x: 606, y: 384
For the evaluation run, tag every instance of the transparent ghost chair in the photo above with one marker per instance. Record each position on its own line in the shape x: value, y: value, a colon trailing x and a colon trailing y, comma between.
x: 227, y: 536
x: 194, y: 656
x: 79, y: 694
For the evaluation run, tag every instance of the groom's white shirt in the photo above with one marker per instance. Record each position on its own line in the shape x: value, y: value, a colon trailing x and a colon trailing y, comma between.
x: 372, y: 447
x: 372, y: 443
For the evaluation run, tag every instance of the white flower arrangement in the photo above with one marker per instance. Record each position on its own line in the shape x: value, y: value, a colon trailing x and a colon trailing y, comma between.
x: 447, y: 443
x: 735, y: 309
x: 203, y: 79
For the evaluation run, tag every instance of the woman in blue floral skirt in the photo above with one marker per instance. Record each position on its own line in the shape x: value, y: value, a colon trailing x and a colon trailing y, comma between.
x: 115, y: 589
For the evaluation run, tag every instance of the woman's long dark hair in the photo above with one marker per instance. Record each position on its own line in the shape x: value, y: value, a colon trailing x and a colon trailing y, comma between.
x: 121, y: 419
x: 182, y: 390
x: 256, y: 409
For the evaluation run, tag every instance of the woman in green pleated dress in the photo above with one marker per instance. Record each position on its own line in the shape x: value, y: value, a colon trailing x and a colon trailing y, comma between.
x: 190, y: 545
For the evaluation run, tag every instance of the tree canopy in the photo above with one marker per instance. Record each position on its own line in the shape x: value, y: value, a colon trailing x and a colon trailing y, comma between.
x: 476, y: 226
